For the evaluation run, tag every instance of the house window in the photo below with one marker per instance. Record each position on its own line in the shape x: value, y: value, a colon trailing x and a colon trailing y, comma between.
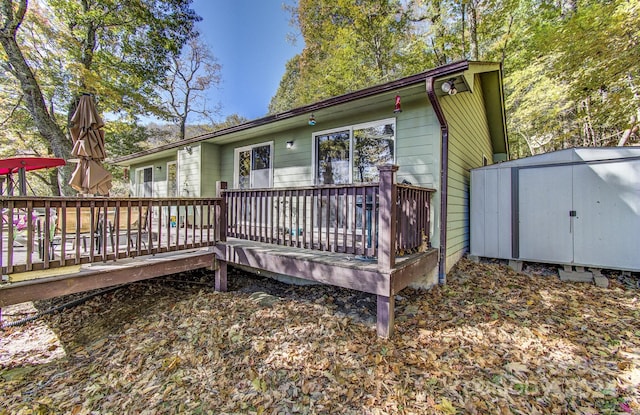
x: 253, y: 166
x: 144, y: 182
x: 332, y: 151
x: 352, y: 154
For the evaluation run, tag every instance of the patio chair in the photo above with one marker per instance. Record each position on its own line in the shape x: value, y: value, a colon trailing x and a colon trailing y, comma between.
x: 139, y: 221
x: 87, y: 229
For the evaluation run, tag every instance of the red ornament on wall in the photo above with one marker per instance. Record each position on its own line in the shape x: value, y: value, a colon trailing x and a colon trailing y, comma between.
x: 398, y: 106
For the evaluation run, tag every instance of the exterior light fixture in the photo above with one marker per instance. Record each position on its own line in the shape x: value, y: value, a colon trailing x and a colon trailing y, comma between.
x: 312, y: 120
x: 398, y: 107
x: 158, y: 167
x: 188, y: 149
x: 449, y: 87
x: 289, y: 144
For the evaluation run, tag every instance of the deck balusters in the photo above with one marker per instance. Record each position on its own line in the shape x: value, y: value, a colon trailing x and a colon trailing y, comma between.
x: 71, y: 231
x: 335, y: 218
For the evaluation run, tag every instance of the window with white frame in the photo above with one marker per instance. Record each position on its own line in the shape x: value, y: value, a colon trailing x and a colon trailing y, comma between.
x: 144, y: 182
x: 352, y: 154
x: 253, y: 167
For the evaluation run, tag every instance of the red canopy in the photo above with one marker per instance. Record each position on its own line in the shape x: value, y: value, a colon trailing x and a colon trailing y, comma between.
x: 12, y: 165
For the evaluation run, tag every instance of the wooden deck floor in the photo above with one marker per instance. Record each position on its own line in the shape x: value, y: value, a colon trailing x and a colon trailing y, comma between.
x: 40, y: 285
x: 343, y: 270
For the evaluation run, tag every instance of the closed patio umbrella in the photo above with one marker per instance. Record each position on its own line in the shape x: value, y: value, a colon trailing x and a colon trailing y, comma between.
x: 89, y: 177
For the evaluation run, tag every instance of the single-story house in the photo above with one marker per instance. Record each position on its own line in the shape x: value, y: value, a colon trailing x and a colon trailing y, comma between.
x: 435, y: 126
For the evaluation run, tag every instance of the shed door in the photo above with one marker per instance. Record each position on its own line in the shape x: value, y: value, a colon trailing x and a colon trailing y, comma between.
x: 608, y: 214
x: 545, y: 202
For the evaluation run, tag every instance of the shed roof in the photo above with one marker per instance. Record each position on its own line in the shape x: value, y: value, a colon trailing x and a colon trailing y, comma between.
x: 575, y: 155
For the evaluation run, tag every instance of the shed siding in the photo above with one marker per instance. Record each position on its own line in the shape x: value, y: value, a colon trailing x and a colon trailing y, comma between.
x: 469, y: 140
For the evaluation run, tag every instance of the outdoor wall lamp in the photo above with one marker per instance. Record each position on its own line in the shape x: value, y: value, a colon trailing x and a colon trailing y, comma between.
x: 188, y: 149
x: 289, y: 144
x: 449, y: 87
x: 312, y: 120
x: 158, y: 167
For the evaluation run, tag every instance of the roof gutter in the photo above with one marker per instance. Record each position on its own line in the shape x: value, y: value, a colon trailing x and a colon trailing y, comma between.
x: 444, y: 177
x: 327, y: 103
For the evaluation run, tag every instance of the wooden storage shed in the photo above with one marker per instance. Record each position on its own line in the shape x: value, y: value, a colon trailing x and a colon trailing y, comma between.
x: 578, y: 207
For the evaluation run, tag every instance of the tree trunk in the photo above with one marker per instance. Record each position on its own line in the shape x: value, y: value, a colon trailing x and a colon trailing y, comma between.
x: 463, y: 15
x: 473, y: 31
x: 439, y: 33
x: 183, y: 127
x: 46, y: 125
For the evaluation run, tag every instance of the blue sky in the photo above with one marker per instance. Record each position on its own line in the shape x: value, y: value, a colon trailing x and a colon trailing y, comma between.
x: 249, y: 39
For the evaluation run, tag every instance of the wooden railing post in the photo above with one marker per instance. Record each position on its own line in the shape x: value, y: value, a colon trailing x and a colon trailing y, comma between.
x: 221, y: 212
x: 387, y: 216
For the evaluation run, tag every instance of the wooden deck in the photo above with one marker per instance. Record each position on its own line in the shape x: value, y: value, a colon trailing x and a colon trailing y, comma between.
x: 343, y: 270
x: 74, y: 279
x: 367, y: 237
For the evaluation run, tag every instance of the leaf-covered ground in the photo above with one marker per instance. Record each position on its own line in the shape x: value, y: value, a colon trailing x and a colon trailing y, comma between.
x: 489, y: 342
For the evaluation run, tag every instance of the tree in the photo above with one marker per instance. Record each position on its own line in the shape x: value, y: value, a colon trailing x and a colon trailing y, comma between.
x: 599, y: 63
x: 190, y: 74
x: 13, y: 13
x: 285, y: 98
x: 348, y: 45
x: 580, y: 91
x: 351, y: 45
x: 121, y: 50
x: 116, y: 50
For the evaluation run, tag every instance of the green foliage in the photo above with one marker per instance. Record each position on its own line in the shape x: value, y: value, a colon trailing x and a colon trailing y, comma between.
x: 539, y: 111
x: 348, y: 45
x: 574, y: 78
x: 120, y: 50
x: 571, y: 72
x: 117, y: 50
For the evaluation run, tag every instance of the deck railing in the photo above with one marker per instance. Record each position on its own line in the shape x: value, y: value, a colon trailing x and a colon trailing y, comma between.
x: 43, y: 233
x: 350, y: 219
x: 413, y: 218
x: 328, y: 218
x: 378, y: 220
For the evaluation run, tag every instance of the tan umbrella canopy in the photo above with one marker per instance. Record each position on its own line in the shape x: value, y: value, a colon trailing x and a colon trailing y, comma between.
x: 89, y: 177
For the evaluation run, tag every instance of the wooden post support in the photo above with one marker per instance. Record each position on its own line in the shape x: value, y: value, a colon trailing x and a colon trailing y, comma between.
x: 387, y: 215
x: 221, y: 276
x: 385, y: 316
x: 221, y: 212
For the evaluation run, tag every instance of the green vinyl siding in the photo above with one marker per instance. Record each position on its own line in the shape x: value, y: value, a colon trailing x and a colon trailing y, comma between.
x: 189, y: 167
x: 469, y: 140
x: 159, y: 175
x: 417, y: 145
x: 291, y: 167
x: 210, y: 174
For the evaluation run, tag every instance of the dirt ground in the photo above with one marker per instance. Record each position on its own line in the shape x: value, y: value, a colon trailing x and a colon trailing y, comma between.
x: 490, y: 341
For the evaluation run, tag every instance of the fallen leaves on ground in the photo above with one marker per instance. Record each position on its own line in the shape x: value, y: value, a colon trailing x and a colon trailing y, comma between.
x: 491, y: 341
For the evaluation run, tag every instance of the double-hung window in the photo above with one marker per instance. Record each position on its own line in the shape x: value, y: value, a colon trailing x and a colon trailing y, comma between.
x: 352, y: 154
